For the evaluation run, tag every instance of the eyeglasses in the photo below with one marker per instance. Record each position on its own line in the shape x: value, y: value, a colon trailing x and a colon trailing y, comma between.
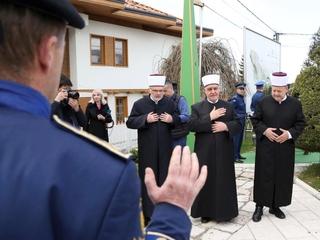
x: 241, y: 88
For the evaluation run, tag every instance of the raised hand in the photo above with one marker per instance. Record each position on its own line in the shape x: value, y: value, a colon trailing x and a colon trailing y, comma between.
x: 183, y: 182
x: 63, y: 94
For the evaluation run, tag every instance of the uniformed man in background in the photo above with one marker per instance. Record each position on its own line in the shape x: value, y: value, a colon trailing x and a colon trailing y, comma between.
x: 259, y: 94
x: 57, y: 182
x: 239, y: 105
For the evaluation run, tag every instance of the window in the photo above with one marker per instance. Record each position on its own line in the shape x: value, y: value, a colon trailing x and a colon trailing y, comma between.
x: 120, y: 52
x: 97, y: 50
x: 109, y: 51
x: 121, y: 109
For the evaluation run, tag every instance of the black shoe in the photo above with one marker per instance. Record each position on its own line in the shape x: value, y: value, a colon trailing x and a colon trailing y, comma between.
x: 256, y: 217
x: 277, y: 212
x: 238, y: 161
x: 205, y: 220
x: 241, y: 157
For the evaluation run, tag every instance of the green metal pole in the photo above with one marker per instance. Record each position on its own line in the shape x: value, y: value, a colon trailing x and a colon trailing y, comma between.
x: 189, y: 77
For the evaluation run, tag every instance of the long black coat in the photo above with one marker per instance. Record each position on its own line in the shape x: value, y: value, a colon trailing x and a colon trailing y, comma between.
x: 154, y: 141
x: 94, y: 125
x: 274, y: 166
x: 218, y: 198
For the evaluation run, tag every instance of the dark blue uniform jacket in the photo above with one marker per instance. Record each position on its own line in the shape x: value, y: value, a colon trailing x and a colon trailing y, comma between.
x: 239, y: 105
x: 257, y: 97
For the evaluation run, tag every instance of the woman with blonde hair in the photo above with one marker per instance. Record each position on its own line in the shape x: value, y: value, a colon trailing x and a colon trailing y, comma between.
x: 98, y: 115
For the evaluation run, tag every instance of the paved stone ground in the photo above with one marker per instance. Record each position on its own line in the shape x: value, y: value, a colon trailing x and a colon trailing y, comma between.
x: 302, y: 217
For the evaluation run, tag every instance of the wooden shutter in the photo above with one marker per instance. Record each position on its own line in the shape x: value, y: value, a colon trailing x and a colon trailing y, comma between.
x: 125, y: 53
x: 109, y: 51
x: 83, y: 101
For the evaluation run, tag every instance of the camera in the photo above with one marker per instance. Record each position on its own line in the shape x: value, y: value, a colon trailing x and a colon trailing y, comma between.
x: 73, y: 94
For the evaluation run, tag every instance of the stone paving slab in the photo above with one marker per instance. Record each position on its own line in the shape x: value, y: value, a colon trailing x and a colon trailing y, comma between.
x: 302, y: 216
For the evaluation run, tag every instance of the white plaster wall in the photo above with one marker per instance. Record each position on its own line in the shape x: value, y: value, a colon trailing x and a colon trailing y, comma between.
x: 145, y: 49
x: 120, y: 136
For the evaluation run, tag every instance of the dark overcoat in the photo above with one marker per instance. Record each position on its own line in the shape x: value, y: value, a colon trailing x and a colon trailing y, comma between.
x: 218, y: 198
x: 94, y: 125
x: 274, y: 166
x: 154, y: 141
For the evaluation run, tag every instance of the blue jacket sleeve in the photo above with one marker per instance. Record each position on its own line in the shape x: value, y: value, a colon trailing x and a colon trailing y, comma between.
x: 183, y: 110
x: 168, y: 222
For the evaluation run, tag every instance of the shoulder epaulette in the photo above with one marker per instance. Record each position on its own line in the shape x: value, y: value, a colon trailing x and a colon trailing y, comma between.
x: 90, y: 137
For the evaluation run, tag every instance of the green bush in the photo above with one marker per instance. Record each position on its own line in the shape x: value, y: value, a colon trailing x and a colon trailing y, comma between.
x: 134, y: 154
x: 307, y: 89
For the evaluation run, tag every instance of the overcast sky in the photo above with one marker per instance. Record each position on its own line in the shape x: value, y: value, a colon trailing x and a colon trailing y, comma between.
x: 284, y: 16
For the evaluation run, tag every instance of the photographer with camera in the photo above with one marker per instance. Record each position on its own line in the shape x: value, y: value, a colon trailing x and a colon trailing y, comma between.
x: 66, y: 104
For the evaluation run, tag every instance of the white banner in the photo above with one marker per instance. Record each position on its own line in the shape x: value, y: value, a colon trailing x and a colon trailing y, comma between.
x: 262, y: 57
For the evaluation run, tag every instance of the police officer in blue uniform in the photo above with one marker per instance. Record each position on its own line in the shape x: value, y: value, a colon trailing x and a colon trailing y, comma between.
x: 58, y: 182
x: 240, y: 108
x: 258, y: 95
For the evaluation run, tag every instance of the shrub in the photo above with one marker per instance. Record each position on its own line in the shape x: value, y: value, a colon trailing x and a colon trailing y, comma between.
x: 307, y: 89
x: 134, y: 154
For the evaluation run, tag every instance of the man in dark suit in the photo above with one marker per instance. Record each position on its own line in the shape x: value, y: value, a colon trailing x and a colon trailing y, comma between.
x: 57, y: 182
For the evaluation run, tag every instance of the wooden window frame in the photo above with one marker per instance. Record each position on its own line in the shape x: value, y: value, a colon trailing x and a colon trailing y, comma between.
x: 125, y: 109
x: 108, y: 51
x: 124, y: 52
x: 102, y: 50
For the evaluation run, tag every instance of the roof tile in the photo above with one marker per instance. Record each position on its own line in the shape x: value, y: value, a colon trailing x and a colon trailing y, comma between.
x: 139, y: 6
